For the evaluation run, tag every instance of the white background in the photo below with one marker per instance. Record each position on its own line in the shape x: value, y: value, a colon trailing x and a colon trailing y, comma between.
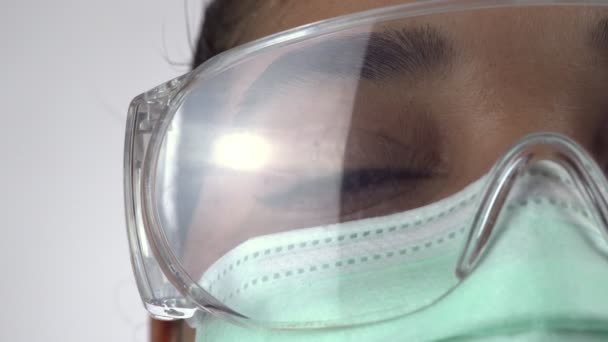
x: 68, y: 70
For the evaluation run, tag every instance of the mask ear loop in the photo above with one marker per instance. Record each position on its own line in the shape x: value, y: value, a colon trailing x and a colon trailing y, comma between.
x: 585, y: 173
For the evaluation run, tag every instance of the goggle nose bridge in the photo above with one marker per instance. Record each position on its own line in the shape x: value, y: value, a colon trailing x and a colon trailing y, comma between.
x: 586, y: 175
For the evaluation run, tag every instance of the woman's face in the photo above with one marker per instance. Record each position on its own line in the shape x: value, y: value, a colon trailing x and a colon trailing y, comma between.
x: 480, y: 81
x: 485, y: 79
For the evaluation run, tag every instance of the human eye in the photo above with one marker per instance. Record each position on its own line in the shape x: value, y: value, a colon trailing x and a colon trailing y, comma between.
x: 352, y: 192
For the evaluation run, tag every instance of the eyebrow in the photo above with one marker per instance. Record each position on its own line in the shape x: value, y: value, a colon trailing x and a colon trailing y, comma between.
x: 375, y: 56
x: 599, y: 35
x: 408, y: 51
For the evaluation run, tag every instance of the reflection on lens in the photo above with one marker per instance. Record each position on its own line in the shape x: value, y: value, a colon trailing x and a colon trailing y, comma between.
x: 241, y: 151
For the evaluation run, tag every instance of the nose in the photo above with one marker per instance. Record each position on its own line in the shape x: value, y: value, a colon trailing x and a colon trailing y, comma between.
x: 542, y: 266
x: 541, y: 275
x: 544, y: 260
x: 543, y: 272
x: 574, y: 176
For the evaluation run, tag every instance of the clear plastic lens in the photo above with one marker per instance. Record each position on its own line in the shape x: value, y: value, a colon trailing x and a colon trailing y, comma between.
x: 323, y: 164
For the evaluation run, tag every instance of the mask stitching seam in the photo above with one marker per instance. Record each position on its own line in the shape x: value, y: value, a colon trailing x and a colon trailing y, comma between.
x: 345, y: 262
x: 416, y: 248
x: 378, y: 231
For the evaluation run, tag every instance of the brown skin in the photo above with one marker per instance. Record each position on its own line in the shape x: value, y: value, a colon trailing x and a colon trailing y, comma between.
x: 561, y: 75
x: 511, y: 73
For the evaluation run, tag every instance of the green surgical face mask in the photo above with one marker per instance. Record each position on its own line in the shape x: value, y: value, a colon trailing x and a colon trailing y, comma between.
x: 542, y: 278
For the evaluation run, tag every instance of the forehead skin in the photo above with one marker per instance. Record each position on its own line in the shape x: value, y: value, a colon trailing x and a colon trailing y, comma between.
x: 534, y: 58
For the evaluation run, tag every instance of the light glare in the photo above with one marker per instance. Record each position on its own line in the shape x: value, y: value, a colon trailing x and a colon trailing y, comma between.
x: 241, y: 151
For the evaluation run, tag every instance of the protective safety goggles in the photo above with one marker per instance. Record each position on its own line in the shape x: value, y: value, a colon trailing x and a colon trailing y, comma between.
x: 366, y: 167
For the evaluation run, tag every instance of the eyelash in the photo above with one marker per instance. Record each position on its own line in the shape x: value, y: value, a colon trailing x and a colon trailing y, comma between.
x: 360, y: 179
x: 371, y: 183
